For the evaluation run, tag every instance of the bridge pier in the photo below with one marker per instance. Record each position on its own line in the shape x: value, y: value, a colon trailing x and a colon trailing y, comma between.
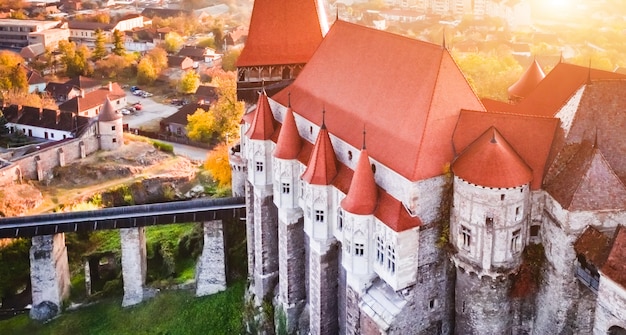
x: 211, y: 267
x: 133, y: 242
x: 49, y: 275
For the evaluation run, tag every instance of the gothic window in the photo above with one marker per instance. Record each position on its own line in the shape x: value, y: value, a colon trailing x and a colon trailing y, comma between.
x: 466, y: 235
x: 286, y: 188
x: 319, y: 216
x: 359, y: 249
x: 515, y: 241
x: 391, y: 259
x: 340, y: 219
x: 259, y: 166
x: 380, y: 250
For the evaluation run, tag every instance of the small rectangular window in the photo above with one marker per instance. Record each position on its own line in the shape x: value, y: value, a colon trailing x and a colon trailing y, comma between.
x: 286, y: 188
x: 380, y: 250
x: 466, y: 235
x: 359, y: 249
x: 114, y: 140
x: 534, y: 230
x: 489, y: 221
x: 259, y: 166
x: 515, y: 241
x: 319, y: 216
x: 112, y: 127
x: 391, y: 259
x: 340, y: 219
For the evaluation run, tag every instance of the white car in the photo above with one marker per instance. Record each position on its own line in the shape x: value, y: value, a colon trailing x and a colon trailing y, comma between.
x: 137, y: 92
x: 125, y: 111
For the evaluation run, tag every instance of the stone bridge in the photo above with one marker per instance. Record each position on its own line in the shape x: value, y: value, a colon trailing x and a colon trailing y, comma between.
x: 49, y: 270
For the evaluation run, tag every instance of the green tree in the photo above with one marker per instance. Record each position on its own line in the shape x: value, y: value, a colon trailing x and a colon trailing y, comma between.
x: 207, y: 43
x: 75, y: 59
x: 114, y: 67
x: 189, y: 82
x: 118, y: 43
x: 229, y: 60
x: 99, y: 50
x: 173, y: 42
x: 14, y: 268
x: 146, y: 74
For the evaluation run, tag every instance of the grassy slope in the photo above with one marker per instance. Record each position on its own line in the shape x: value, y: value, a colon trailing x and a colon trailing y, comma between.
x: 171, y: 313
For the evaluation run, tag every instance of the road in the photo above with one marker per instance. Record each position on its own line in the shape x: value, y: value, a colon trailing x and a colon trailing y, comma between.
x: 152, y: 111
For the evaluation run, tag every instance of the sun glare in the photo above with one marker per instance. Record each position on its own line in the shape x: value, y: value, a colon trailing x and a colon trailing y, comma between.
x: 557, y: 3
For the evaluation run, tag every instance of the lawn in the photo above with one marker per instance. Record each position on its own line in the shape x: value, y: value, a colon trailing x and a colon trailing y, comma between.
x: 169, y: 313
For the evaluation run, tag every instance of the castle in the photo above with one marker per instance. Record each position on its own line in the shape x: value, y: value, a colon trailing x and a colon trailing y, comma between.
x: 384, y: 197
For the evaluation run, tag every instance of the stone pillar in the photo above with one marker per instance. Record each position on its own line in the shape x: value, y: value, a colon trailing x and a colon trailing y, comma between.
x: 82, y: 149
x: 211, y: 267
x: 483, y: 305
x: 87, y: 268
x: 265, y: 246
x: 39, y: 167
x: 353, y: 312
x: 323, y: 272
x: 49, y: 275
x: 250, y: 229
x: 291, y: 246
x: 133, y: 242
x: 61, y: 157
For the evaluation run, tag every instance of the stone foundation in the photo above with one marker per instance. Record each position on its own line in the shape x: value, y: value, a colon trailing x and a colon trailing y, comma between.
x: 49, y: 275
x: 265, y: 247
x: 133, y: 241
x: 323, y: 272
x: 211, y: 267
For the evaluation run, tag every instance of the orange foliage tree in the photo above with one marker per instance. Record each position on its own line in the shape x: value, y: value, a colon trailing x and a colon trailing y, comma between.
x: 217, y: 164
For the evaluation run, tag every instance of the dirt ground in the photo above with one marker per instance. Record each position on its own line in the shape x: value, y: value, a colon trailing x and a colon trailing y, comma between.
x: 77, y: 182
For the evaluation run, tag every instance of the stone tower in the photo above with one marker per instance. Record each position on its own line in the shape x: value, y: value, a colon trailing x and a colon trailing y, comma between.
x: 110, y: 127
x: 489, y: 230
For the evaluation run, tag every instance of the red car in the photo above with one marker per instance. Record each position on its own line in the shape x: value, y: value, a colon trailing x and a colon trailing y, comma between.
x: 138, y: 106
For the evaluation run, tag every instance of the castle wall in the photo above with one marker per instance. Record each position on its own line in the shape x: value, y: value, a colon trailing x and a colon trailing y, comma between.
x: 611, y: 307
x: 249, y: 194
x: 265, y: 245
x: 323, y: 275
x: 292, y: 293
x: 111, y: 134
x: 482, y: 304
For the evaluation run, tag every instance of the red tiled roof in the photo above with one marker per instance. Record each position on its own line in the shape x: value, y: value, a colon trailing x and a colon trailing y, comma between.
x: 281, y: 32
x: 558, y: 86
x: 392, y: 212
x: 531, y: 136
x: 289, y: 142
x: 615, y: 265
x: 108, y: 112
x: 93, y: 98
x: 593, y: 245
x: 412, y: 126
x: 497, y: 106
x: 262, y: 126
x: 491, y: 162
x: 362, y: 197
x: 527, y: 83
x: 322, y: 166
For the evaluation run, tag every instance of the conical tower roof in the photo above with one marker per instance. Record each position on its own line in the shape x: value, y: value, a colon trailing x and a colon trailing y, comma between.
x: 527, y: 83
x: 108, y: 112
x: 262, y: 126
x: 362, y: 197
x: 491, y: 162
x: 289, y: 142
x: 283, y: 32
x: 322, y: 167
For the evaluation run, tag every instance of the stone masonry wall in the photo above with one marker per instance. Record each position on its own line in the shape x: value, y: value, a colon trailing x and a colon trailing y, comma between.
x: 211, y: 267
x: 265, y: 247
x: 249, y: 194
x: 323, y: 291
x: 50, y: 274
x: 133, y: 241
x: 291, y: 259
x: 353, y: 312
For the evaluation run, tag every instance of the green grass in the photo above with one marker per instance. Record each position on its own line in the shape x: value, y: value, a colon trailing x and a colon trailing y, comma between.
x: 170, y: 312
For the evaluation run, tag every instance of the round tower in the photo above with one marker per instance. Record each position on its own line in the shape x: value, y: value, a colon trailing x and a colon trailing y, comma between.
x: 110, y: 127
x: 489, y: 230
x: 239, y: 171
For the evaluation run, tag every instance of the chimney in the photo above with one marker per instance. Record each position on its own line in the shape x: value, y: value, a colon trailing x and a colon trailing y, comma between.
x: 58, y: 116
x: 110, y: 87
x: 40, y: 113
x: 82, y: 93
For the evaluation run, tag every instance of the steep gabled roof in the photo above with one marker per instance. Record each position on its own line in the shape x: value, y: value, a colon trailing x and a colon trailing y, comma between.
x: 558, y: 86
x: 180, y: 117
x: 527, y: 83
x: 289, y: 142
x: 491, y: 162
x: 84, y: 83
x: 531, y: 136
x: 282, y: 32
x: 594, y: 245
x: 263, y: 124
x: 93, y: 98
x: 362, y: 197
x: 322, y: 167
x: 413, y: 123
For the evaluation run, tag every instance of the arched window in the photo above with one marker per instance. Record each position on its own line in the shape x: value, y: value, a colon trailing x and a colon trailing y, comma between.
x: 617, y: 330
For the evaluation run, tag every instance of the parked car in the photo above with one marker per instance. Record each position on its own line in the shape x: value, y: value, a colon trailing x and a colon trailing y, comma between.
x: 137, y: 92
x: 134, y: 88
x: 125, y: 111
x: 146, y: 94
x: 138, y: 106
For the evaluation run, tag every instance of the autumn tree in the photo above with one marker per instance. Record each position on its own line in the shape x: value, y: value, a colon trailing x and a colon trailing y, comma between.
x: 22, y: 97
x: 158, y: 56
x: 189, y: 82
x: 146, y: 74
x: 118, y: 43
x: 222, y: 118
x: 99, y: 50
x: 114, y: 67
x: 490, y: 73
x: 217, y: 164
x: 74, y: 59
x: 229, y: 60
x: 12, y: 73
x: 207, y: 43
x: 173, y: 42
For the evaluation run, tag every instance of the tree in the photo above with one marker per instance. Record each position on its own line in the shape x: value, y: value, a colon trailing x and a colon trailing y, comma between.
x: 217, y: 164
x: 118, y: 43
x: 229, y: 60
x: 201, y: 125
x: 146, y: 74
x: 114, y: 67
x: 99, y: 50
x: 75, y: 59
x: 189, y: 82
x: 12, y: 73
x: 218, y: 38
x: 158, y: 56
x: 173, y: 42
x: 22, y: 97
x: 207, y: 43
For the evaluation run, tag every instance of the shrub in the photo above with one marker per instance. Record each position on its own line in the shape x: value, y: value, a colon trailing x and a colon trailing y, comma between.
x: 165, y: 147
